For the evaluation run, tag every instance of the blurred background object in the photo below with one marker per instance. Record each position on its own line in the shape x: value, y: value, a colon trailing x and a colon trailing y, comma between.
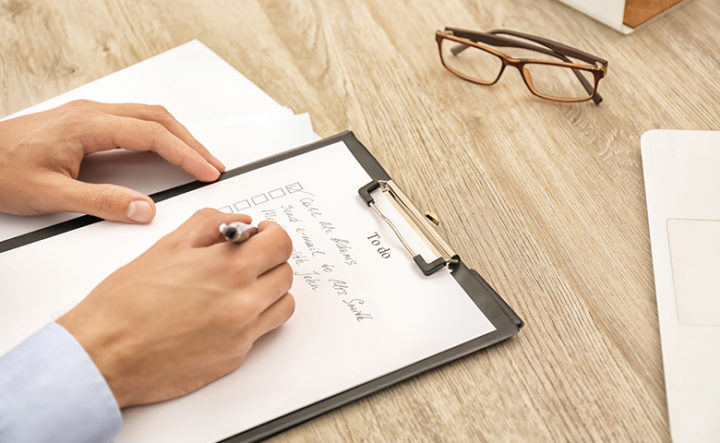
x: 625, y: 15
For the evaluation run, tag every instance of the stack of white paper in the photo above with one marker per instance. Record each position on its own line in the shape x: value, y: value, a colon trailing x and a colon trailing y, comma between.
x: 225, y: 111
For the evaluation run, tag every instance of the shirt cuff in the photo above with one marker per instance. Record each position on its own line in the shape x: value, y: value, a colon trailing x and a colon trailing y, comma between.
x: 50, y: 390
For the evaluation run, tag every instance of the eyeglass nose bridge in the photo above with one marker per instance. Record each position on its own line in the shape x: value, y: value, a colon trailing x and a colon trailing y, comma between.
x: 515, y: 63
x: 524, y: 73
x: 520, y: 66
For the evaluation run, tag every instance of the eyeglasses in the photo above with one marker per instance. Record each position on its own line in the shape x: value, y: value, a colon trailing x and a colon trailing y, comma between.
x: 562, y: 80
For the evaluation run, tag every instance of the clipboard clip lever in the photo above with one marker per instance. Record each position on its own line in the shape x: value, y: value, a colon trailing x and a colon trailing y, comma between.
x: 423, y: 224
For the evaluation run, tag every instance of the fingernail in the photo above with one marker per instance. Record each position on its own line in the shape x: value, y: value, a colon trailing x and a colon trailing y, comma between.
x: 140, y: 211
x: 212, y: 173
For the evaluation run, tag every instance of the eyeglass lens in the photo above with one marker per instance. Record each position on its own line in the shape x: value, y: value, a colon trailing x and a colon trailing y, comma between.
x: 468, y: 61
x: 558, y: 81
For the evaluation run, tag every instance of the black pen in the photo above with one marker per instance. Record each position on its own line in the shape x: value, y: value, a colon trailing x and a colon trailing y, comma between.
x: 237, y: 232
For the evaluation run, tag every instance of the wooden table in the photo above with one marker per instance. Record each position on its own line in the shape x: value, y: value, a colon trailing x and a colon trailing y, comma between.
x: 545, y: 199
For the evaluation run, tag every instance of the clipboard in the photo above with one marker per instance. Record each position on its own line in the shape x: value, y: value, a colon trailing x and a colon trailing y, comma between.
x: 506, y: 322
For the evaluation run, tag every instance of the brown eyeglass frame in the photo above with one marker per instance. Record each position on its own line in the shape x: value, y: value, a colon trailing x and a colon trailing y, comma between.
x: 466, y: 38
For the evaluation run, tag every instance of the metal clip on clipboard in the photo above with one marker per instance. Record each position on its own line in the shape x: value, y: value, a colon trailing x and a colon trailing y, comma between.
x: 426, y: 228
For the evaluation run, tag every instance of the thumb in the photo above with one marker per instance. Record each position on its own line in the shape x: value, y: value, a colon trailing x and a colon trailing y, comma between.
x: 110, y: 202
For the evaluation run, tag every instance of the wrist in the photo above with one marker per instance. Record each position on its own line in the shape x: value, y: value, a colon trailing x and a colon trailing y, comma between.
x: 101, y: 345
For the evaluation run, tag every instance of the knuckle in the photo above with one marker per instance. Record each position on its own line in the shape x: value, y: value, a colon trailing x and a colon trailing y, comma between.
x: 79, y: 115
x: 230, y: 320
x: 287, y: 274
x: 243, y: 356
x: 229, y: 366
x: 233, y: 363
x: 155, y: 129
x: 282, y: 240
x: 242, y: 346
x: 242, y: 268
x: 199, y: 221
x: 201, y: 218
x: 153, y: 133
x: 183, y: 162
x: 289, y: 307
x: 79, y: 103
x: 234, y: 317
x: 158, y: 112
x: 287, y: 246
x: 173, y: 240
x: 103, y: 200
x: 206, y: 214
x: 249, y: 307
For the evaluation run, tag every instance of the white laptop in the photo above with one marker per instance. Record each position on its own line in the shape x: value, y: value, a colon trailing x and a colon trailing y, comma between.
x: 682, y: 186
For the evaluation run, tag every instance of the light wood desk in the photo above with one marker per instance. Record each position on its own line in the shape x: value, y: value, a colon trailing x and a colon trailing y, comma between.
x: 545, y: 199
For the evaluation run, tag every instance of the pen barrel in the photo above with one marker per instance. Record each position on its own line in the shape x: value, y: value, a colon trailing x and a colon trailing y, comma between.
x: 237, y: 232
x: 244, y: 235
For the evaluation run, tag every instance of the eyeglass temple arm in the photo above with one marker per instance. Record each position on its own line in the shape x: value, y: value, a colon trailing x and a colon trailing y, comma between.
x: 492, y: 39
x: 554, y: 45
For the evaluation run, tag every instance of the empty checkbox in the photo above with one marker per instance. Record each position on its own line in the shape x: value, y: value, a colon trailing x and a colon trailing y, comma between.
x: 241, y: 205
x: 259, y: 199
x: 276, y: 193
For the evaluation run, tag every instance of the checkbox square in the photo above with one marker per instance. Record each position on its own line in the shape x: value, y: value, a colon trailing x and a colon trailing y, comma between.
x: 294, y: 187
x: 225, y: 209
x: 259, y: 199
x: 277, y: 193
x: 241, y: 205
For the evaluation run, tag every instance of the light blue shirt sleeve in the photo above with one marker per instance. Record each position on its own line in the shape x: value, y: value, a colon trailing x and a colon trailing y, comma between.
x: 50, y: 390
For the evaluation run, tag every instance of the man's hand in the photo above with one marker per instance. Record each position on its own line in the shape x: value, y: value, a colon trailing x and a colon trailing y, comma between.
x: 187, y: 311
x: 40, y: 156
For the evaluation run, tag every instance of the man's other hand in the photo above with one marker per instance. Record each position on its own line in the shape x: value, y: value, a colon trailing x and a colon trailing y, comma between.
x: 40, y: 156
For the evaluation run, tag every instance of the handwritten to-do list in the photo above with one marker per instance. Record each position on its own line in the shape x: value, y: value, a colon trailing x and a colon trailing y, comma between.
x: 323, y: 258
x: 363, y: 308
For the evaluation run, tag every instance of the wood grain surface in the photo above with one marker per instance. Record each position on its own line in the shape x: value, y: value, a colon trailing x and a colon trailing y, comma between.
x: 545, y: 199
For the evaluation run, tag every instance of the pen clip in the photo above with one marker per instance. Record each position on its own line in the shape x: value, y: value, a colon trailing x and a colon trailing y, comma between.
x: 422, y: 225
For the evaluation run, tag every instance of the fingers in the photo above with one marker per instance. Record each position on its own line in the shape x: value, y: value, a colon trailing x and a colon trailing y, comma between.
x: 203, y: 228
x: 276, y: 315
x: 270, y: 286
x: 270, y: 247
x: 249, y: 300
x: 105, y: 131
x: 159, y: 114
x: 110, y: 202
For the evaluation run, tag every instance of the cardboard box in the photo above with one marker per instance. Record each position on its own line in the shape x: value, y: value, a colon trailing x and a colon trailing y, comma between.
x: 624, y: 15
